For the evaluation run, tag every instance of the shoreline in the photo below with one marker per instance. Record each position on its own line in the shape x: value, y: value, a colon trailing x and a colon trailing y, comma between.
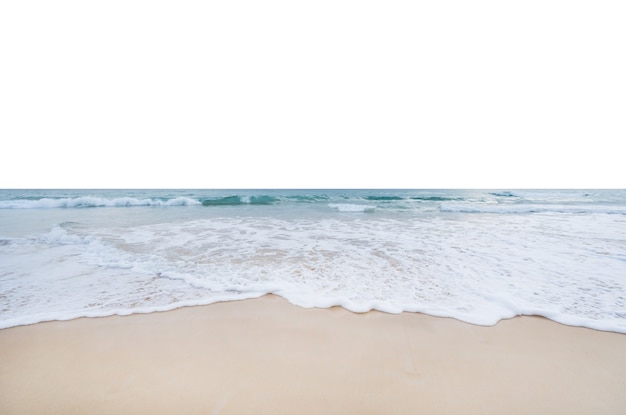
x: 266, y: 355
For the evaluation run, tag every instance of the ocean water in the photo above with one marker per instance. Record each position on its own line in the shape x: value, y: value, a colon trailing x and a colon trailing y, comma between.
x: 474, y: 255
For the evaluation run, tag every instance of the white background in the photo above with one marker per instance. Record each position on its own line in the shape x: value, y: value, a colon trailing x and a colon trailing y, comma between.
x: 303, y: 94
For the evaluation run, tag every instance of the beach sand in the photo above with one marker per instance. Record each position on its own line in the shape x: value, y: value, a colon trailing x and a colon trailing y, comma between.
x: 266, y: 356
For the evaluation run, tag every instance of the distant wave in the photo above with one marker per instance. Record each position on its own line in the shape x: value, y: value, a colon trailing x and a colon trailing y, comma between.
x: 232, y: 200
x: 240, y: 200
x: 90, y: 201
x: 384, y: 198
x: 529, y: 208
x: 357, y: 201
x: 504, y: 194
x: 435, y: 198
x: 307, y: 198
x: 419, y: 198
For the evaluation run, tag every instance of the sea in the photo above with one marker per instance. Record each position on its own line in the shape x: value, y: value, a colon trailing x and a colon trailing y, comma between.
x: 478, y: 256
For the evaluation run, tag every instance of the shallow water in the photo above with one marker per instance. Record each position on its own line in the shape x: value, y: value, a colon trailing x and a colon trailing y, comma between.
x: 478, y: 256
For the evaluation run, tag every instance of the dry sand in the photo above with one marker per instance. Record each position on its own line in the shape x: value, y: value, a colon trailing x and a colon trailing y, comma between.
x: 266, y: 356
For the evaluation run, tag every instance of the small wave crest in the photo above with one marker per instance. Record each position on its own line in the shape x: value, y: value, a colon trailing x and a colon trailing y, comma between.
x: 348, y: 207
x: 60, y: 236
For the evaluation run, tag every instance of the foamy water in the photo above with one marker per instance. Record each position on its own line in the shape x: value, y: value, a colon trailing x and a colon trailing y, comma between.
x: 477, y: 256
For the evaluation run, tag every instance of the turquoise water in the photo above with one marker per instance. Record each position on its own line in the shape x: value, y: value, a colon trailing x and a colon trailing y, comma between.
x: 474, y: 255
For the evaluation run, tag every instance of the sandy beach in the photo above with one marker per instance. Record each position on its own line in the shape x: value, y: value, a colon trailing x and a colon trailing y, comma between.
x: 266, y: 356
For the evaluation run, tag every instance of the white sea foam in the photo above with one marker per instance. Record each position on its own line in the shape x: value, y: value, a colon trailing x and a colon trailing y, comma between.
x: 475, y: 270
